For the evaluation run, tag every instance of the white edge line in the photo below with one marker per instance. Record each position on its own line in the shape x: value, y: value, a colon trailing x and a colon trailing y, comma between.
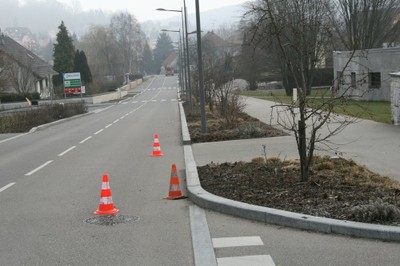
x: 83, y: 141
x: 40, y: 167
x: 17, y: 136
x: 68, y: 150
x: 7, y: 186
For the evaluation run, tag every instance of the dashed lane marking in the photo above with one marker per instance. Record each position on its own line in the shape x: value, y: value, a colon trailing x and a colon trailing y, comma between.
x: 38, y: 168
x: 83, y: 141
x: 99, y: 131
x: 7, y: 186
x: 66, y: 151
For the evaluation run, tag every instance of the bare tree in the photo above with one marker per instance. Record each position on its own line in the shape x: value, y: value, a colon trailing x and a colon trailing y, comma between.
x: 127, y: 33
x: 15, y: 76
x: 365, y: 24
x: 300, y: 33
x: 102, y: 52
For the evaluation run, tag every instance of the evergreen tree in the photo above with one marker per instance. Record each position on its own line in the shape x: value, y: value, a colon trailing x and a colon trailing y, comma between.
x: 161, y: 51
x: 63, y: 54
x: 81, y: 65
x: 148, y: 60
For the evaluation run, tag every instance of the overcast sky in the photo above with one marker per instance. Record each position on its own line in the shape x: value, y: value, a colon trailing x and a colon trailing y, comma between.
x: 145, y: 9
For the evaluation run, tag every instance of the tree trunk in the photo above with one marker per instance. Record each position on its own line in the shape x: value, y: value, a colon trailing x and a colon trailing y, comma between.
x: 303, y: 150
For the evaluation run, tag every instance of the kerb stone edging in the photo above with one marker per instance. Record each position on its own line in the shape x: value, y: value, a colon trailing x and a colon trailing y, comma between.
x: 273, y: 216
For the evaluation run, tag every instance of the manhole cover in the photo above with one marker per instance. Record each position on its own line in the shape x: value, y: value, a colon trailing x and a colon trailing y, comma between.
x: 110, y: 220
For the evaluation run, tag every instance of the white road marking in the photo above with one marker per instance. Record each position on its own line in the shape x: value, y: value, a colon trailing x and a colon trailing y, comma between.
x: 101, y: 130
x: 257, y: 260
x: 223, y: 242
x: 66, y: 151
x: 173, y: 100
x: 83, y: 141
x: 7, y: 186
x: 38, y: 168
x: 163, y: 100
x: 116, y: 121
x: 109, y: 125
x: 101, y: 110
x: 17, y: 136
x: 135, y: 102
x: 153, y: 101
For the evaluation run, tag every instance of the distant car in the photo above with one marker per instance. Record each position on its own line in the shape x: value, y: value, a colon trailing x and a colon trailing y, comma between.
x: 169, y: 71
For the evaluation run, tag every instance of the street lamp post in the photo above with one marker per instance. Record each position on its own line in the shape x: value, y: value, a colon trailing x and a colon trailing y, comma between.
x: 184, y: 27
x: 200, y: 66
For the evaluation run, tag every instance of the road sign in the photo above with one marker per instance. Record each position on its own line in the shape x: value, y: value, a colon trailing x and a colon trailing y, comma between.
x: 72, y: 83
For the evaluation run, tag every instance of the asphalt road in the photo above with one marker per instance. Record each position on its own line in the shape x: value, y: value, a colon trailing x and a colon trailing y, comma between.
x: 51, y: 181
x: 50, y: 184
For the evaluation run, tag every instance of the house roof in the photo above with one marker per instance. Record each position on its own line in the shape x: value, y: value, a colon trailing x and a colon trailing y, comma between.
x: 171, y: 59
x: 25, y: 57
x: 214, y: 40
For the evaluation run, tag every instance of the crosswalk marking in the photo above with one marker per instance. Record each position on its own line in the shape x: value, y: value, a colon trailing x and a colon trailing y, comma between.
x: 154, y: 101
x: 258, y: 260
x: 255, y: 260
x: 223, y: 242
x: 164, y: 88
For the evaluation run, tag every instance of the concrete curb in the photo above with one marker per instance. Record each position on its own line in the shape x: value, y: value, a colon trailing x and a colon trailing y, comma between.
x: 273, y: 216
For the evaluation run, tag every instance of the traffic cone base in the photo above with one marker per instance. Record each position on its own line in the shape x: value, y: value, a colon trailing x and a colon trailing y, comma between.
x: 113, y: 211
x: 156, y: 147
x: 174, y: 188
x: 106, y: 205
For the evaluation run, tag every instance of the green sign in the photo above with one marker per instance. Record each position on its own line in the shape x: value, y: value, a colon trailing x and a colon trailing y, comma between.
x: 72, y: 83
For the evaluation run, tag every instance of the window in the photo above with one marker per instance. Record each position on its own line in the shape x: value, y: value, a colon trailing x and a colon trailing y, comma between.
x: 353, y: 79
x: 374, y: 79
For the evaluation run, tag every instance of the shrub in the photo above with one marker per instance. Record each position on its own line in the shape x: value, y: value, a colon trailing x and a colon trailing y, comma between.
x: 376, y: 211
x: 23, y: 121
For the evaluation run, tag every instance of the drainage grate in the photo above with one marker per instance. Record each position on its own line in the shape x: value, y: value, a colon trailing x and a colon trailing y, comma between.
x: 110, y: 220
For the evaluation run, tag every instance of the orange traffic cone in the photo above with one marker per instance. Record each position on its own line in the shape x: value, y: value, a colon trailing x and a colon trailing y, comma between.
x: 156, y: 147
x: 174, y: 188
x: 106, y: 205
